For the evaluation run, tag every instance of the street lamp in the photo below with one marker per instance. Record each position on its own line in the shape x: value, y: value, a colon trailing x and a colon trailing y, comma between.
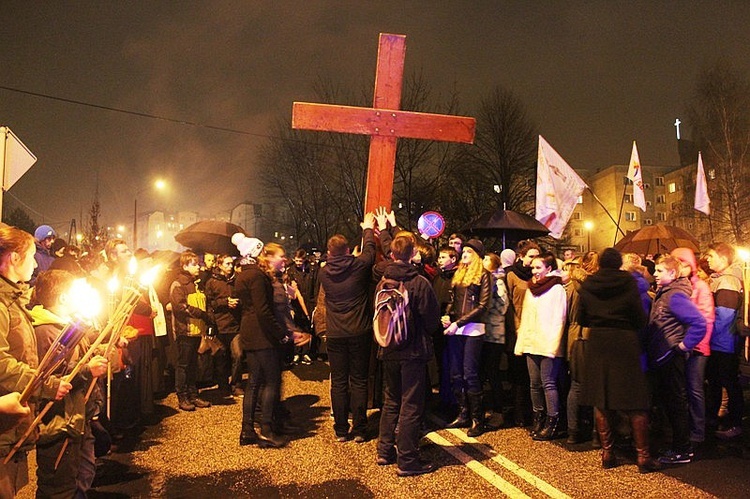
x: 588, y: 225
x: 159, y: 185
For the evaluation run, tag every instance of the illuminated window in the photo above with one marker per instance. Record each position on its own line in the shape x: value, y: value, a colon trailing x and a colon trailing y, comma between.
x: 672, y: 187
x: 580, y: 199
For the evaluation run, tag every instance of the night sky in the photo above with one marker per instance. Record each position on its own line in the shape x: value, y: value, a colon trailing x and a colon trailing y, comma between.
x: 594, y: 76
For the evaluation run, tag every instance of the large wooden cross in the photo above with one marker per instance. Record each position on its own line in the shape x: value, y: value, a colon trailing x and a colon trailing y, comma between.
x: 384, y: 122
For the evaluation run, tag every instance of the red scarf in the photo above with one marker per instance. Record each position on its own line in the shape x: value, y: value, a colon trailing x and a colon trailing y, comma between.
x: 543, y: 285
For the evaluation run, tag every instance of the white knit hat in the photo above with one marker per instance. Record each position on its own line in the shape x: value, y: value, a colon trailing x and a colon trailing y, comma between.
x: 248, y: 246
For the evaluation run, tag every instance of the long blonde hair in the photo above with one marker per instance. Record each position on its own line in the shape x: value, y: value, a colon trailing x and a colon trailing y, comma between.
x: 268, y: 250
x: 470, y: 273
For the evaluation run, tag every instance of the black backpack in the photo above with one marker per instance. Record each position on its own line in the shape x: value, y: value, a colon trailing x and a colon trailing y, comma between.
x: 391, y: 320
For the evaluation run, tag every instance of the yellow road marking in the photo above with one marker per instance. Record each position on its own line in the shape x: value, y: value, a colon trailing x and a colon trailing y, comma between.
x: 510, y: 465
x: 493, y: 478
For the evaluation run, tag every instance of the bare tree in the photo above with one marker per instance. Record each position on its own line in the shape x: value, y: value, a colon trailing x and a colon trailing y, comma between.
x: 720, y: 116
x: 499, y: 169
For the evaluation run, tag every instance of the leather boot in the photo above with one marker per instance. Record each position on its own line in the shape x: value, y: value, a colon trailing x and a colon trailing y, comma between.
x: 268, y: 439
x: 550, y: 429
x: 248, y: 435
x: 538, y: 423
x: 184, y: 403
x: 477, y: 414
x: 462, y: 420
x: 605, y: 438
x: 639, y: 423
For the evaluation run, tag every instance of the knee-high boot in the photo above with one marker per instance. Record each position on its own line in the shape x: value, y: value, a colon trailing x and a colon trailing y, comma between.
x: 605, y: 438
x: 477, y: 414
x: 462, y: 420
x: 639, y: 423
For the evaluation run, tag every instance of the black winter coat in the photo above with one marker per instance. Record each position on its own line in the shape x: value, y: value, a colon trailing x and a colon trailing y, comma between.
x: 259, y: 329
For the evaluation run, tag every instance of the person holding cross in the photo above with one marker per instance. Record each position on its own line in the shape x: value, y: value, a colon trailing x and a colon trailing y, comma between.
x: 346, y: 281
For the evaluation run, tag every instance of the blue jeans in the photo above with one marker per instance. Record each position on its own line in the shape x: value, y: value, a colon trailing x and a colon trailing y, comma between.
x: 695, y: 373
x: 543, y: 373
x: 464, y: 354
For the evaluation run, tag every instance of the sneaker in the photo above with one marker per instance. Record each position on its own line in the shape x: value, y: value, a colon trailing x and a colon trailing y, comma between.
x: 238, y: 392
x: 296, y: 359
x: 359, y: 439
x: 729, y: 433
x: 306, y: 360
x: 342, y: 438
x: 672, y: 457
x: 385, y: 461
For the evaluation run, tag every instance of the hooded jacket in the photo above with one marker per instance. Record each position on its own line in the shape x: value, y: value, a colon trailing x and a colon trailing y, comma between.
x: 673, y: 320
x: 610, y: 299
x: 346, y: 280
x: 424, y: 311
x: 18, y: 357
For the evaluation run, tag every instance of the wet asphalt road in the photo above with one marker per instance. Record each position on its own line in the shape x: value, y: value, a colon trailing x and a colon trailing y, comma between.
x: 196, y: 455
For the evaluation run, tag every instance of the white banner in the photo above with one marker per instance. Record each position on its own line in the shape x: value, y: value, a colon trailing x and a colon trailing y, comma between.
x: 702, y: 201
x: 634, y: 174
x: 558, y: 188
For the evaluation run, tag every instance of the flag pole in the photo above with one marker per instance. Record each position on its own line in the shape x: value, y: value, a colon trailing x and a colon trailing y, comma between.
x: 596, y: 198
x: 619, y: 214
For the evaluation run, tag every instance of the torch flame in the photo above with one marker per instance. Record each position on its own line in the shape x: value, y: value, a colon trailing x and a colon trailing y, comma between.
x: 743, y: 254
x: 113, y: 284
x: 148, y: 277
x: 133, y: 266
x: 86, y: 301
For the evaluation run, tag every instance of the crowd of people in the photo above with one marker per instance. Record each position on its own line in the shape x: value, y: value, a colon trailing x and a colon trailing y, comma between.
x: 568, y: 346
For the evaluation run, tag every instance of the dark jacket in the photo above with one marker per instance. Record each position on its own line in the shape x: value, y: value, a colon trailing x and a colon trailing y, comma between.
x: 442, y: 286
x: 424, y: 311
x: 218, y: 289
x: 674, y: 319
x: 259, y: 329
x: 306, y: 279
x: 471, y: 302
x: 346, y: 281
x: 610, y: 299
x: 182, y: 312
